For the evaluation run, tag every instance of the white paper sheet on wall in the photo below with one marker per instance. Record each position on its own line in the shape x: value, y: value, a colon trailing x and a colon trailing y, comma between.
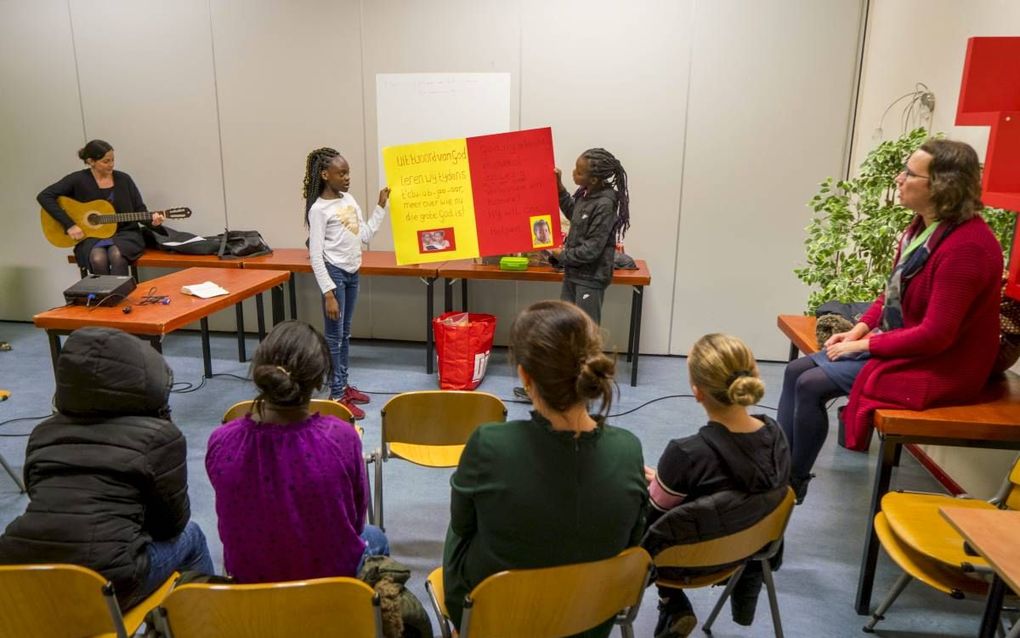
x: 421, y: 107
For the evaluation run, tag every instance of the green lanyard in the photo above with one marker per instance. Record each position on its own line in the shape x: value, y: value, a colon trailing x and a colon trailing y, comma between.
x: 917, y: 241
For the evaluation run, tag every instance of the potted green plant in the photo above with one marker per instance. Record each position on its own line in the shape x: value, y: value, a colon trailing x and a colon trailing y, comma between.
x: 852, y: 236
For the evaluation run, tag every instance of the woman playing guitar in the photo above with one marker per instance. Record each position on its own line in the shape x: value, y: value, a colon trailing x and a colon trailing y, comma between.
x: 99, y: 181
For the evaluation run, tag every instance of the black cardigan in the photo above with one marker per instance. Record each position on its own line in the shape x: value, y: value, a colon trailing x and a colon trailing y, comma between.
x: 81, y: 185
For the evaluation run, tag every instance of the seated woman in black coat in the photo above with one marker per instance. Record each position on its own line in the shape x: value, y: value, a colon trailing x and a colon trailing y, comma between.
x: 107, y: 475
x: 110, y: 256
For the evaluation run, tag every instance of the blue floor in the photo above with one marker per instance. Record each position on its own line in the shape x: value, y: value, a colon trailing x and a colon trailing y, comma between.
x: 816, y: 584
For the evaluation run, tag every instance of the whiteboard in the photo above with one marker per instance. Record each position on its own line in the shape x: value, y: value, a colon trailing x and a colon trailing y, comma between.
x: 422, y: 107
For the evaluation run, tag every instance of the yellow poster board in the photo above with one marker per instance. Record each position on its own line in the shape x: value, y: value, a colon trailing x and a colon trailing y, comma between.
x: 432, y: 205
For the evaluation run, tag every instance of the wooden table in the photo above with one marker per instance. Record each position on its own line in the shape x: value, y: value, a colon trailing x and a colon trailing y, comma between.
x: 155, y: 321
x: 466, y: 270
x: 992, y: 421
x: 163, y: 259
x: 374, y: 263
x: 995, y: 535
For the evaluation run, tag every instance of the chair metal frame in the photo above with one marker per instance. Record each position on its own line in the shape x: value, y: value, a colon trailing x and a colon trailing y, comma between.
x: 487, y: 596
x: 50, y: 577
x: 414, y: 422
x: 953, y: 580
x: 264, y: 596
x: 767, y: 534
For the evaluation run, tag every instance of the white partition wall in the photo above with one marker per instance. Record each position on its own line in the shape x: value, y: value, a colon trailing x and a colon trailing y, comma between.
x: 724, y: 113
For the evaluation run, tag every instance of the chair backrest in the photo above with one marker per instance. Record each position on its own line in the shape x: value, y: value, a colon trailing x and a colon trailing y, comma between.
x: 331, y: 408
x: 1009, y: 494
x: 437, y: 417
x: 57, y: 601
x: 557, y: 601
x: 321, y: 607
x: 734, y: 547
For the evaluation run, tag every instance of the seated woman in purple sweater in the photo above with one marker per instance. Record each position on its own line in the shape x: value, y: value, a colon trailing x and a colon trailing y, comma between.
x: 291, y: 488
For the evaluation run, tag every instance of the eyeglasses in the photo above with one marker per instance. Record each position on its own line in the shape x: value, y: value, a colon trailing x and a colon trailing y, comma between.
x: 909, y: 173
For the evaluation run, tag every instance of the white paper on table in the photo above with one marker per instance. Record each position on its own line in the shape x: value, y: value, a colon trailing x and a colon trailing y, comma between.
x: 205, y: 290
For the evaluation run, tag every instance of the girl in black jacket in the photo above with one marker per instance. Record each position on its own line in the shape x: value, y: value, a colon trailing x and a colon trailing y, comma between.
x: 107, y: 475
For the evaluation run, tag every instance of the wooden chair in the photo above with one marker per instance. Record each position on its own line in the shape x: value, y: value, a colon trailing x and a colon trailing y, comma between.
x: 321, y: 607
x: 331, y: 408
x: 430, y: 428
x: 927, y: 548
x: 736, y: 550
x: 551, y: 601
x: 67, y: 601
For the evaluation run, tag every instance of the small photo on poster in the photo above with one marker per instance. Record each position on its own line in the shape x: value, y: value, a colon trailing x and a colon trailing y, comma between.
x: 541, y: 231
x: 437, y: 240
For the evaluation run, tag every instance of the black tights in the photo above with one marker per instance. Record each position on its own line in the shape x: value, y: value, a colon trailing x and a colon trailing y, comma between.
x: 802, y: 413
x: 107, y: 260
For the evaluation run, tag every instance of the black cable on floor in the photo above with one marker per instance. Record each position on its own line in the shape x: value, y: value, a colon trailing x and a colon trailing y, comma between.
x: 649, y: 402
x: 22, y: 418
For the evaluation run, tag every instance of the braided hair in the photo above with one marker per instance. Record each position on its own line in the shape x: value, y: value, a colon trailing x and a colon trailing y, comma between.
x: 602, y: 165
x: 317, y: 162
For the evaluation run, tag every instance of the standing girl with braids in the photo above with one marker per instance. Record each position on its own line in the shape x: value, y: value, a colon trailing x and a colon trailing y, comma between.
x: 583, y: 496
x: 336, y: 230
x: 291, y: 487
x: 599, y: 213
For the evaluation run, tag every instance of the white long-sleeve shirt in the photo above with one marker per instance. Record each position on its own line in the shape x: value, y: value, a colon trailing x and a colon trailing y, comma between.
x: 336, y: 230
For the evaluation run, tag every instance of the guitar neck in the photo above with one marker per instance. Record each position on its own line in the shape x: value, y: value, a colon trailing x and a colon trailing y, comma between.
x: 116, y: 218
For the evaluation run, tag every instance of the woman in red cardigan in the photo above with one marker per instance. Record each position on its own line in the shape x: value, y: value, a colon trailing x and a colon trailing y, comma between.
x: 931, y: 338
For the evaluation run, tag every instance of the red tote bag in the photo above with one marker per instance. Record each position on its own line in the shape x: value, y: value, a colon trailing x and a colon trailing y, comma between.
x: 463, y: 346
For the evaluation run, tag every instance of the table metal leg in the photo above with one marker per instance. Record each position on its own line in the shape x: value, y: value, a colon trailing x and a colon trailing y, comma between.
x: 277, y: 297
x: 292, y: 285
x: 156, y: 343
x: 206, y: 354
x: 993, y: 608
x: 630, y: 330
x: 448, y: 294
x: 242, y: 356
x: 260, y: 316
x: 463, y: 295
x: 794, y: 352
x: 134, y: 272
x: 636, y: 301
x: 429, y: 343
x: 54, y: 339
x: 883, y: 475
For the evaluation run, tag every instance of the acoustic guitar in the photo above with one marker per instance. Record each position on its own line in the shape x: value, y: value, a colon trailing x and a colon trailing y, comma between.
x: 96, y: 219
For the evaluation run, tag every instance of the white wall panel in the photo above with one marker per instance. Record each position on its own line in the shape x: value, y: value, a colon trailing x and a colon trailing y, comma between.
x: 615, y: 75
x: 454, y: 36
x: 40, y: 134
x: 770, y: 97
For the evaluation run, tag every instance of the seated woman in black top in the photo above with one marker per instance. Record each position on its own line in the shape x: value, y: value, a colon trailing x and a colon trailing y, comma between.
x: 99, y: 181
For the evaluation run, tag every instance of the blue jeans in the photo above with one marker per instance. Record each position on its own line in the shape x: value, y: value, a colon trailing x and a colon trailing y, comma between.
x: 338, y: 333
x: 188, y: 551
x: 376, y: 544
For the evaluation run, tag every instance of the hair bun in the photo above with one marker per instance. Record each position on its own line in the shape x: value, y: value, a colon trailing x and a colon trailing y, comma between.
x: 276, y: 384
x: 746, y: 390
x: 596, y: 376
x: 81, y: 153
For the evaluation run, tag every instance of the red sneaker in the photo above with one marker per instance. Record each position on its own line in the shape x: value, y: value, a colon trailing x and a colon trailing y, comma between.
x: 356, y: 412
x: 353, y: 395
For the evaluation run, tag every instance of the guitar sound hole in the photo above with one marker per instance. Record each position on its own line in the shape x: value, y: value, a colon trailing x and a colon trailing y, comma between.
x: 90, y: 219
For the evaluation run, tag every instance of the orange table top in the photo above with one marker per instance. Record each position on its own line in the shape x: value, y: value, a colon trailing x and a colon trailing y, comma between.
x: 800, y: 329
x: 373, y: 263
x: 164, y: 259
x: 995, y: 534
x: 159, y: 319
x: 468, y: 269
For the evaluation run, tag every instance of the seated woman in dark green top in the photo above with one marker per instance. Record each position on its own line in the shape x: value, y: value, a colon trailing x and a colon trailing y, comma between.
x: 562, y: 487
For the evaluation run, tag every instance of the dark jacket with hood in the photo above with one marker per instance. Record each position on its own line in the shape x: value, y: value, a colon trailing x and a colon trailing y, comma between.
x: 106, y: 475
x: 725, y: 482
x: 587, y: 256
